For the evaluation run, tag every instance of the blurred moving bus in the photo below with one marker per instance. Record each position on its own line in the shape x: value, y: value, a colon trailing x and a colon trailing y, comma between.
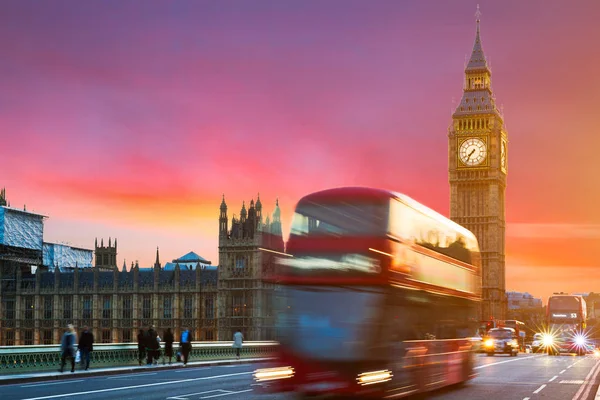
x: 567, y: 319
x: 377, y: 296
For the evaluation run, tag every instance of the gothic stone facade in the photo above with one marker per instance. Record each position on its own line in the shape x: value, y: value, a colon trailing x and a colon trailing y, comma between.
x: 246, y: 254
x: 106, y: 256
x: 477, y: 143
x: 35, y: 309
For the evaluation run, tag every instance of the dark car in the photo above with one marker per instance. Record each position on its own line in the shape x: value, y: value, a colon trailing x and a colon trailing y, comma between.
x: 501, y: 340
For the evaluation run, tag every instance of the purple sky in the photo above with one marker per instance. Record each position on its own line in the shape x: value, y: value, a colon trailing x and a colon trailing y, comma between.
x: 131, y: 118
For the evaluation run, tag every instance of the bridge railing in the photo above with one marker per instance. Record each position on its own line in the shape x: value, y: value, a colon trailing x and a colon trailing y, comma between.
x: 20, y: 359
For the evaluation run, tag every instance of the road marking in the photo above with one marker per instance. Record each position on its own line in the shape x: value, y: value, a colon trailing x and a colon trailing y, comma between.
x: 573, y: 382
x: 590, y: 383
x: 56, y: 396
x: 53, y: 383
x: 185, y: 396
x: 191, y: 369
x: 131, y: 375
x: 502, y: 362
x: 226, y: 394
x: 539, y: 389
x: 526, y: 398
x: 562, y: 371
x: 553, y: 378
x: 594, y: 372
x: 223, y: 393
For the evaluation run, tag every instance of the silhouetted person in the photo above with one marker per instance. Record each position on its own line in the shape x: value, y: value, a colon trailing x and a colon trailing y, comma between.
x: 152, y: 345
x: 186, y: 345
x: 168, y: 338
x: 67, y: 348
x: 86, y: 346
x: 238, y: 339
x: 141, y: 340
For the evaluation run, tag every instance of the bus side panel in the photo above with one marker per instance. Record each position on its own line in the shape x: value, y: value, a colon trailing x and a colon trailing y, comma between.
x: 433, y: 364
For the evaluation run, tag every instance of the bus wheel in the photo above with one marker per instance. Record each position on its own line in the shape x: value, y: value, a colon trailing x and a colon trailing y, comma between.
x: 490, y: 354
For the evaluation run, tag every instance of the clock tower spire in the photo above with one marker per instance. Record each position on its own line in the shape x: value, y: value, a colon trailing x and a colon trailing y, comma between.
x: 477, y: 149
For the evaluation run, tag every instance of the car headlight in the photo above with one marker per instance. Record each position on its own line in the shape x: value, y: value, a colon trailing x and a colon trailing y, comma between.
x: 548, y: 340
x: 580, y: 340
x: 489, y: 343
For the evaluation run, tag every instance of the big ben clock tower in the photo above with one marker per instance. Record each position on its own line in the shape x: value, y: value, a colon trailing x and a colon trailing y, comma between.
x: 477, y: 149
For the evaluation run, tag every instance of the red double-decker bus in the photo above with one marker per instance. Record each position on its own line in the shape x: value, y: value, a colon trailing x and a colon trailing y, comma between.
x: 566, y: 319
x: 377, y: 296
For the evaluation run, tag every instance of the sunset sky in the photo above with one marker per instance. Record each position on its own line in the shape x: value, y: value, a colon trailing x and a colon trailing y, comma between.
x: 130, y: 119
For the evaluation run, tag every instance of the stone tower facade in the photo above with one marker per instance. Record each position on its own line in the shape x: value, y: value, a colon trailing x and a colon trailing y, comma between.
x: 246, y: 253
x: 106, y: 257
x: 477, y: 149
x: 3, y: 201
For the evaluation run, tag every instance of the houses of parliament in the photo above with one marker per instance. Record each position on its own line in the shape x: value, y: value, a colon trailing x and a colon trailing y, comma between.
x: 115, y: 303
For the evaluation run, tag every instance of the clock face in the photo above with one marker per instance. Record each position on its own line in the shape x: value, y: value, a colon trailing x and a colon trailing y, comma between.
x: 472, y: 152
x: 503, y: 156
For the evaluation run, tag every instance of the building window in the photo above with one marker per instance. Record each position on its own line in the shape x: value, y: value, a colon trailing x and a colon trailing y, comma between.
x: 147, y: 307
x: 47, y: 336
x: 67, y: 307
x: 268, y: 304
x: 209, y: 335
x: 209, y: 308
x: 106, y: 336
x: 87, y: 307
x: 127, y: 336
x: 127, y: 307
x: 48, y: 307
x: 106, y: 309
x: 8, y: 309
x: 9, y: 337
x: 188, y: 307
x: 167, y: 307
x: 29, y: 309
x: 28, y: 337
x: 238, y: 305
x: 240, y: 263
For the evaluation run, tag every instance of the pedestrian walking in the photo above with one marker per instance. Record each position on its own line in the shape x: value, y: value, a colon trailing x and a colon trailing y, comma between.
x: 141, y: 340
x: 238, y: 339
x: 157, y: 352
x: 168, y: 337
x: 152, y: 345
x: 67, y: 348
x: 186, y: 345
x: 85, y: 347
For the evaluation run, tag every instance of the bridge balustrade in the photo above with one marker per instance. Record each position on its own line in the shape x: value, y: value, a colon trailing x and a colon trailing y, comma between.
x: 22, y: 359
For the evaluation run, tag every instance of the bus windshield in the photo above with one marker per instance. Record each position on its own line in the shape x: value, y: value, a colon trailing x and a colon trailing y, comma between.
x: 501, y: 334
x: 331, y: 323
x: 340, y: 219
x: 564, y: 303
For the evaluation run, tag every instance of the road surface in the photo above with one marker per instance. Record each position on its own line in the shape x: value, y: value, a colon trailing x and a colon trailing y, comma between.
x: 524, y: 377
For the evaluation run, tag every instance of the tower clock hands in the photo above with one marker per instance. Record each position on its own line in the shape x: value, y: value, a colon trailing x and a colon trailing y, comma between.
x: 470, y: 154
